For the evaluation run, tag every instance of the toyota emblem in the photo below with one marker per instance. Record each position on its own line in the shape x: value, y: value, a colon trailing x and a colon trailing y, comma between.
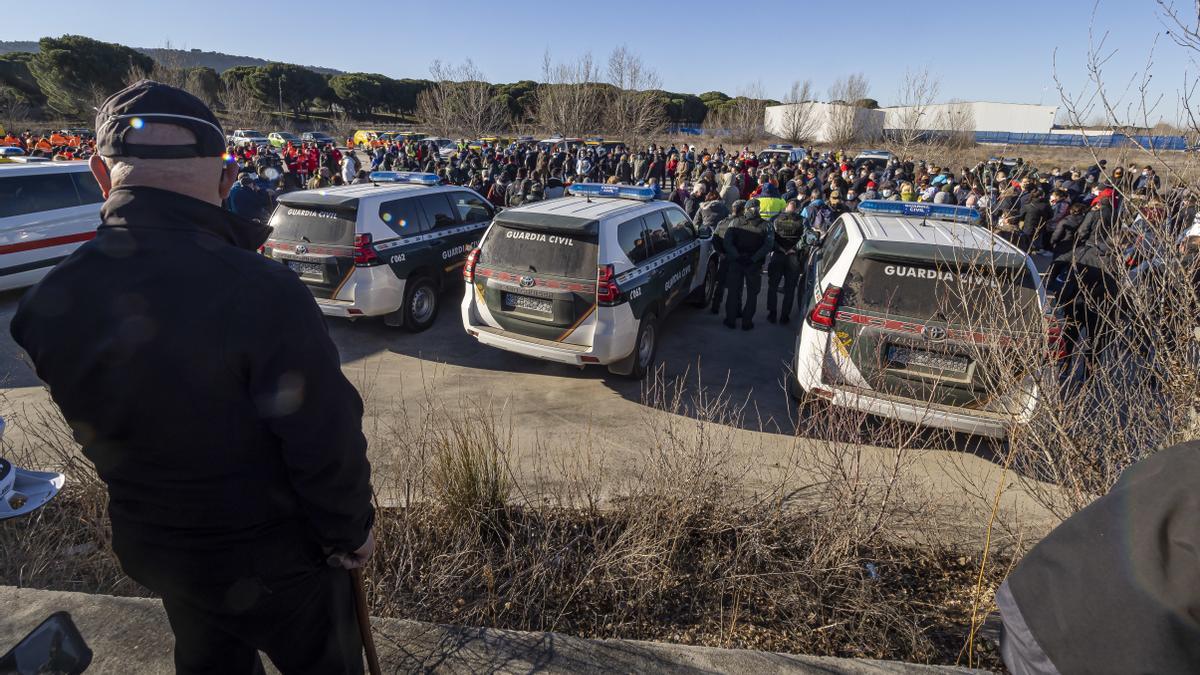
x: 527, y: 282
x: 301, y: 249
x: 934, y: 333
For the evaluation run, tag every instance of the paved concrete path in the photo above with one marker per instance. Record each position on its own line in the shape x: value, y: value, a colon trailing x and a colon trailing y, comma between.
x: 131, y: 635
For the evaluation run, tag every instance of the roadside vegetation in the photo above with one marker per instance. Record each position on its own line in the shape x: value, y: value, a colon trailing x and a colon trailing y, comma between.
x: 835, y: 557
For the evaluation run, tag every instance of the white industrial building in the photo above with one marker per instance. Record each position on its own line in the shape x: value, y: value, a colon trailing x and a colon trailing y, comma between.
x: 979, y: 116
x: 1015, y: 118
x: 819, y: 120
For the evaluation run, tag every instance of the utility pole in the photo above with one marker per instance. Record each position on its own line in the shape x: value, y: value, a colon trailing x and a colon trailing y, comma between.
x: 281, y: 79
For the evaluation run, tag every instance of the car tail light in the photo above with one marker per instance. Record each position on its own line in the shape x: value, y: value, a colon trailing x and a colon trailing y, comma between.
x: 1056, y: 344
x: 823, y: 314
x: 364, y: 255
x: 469, y: 266
x: 607, y: 291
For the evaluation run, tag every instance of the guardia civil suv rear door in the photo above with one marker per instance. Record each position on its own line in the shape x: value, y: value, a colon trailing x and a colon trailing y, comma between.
x: 923, y: 319
x: 586, y: 279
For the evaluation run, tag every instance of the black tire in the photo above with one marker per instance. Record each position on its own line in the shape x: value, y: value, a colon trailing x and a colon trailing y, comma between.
x: 702, y: 295
x: 421, y: 304
x: 793, y: 388
x: 793, y: 385
x: 643, y: 355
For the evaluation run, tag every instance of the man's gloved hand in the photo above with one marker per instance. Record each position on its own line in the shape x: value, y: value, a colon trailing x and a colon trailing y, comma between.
x: 356, y: 559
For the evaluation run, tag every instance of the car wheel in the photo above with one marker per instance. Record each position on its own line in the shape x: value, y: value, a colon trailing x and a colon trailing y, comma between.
x: 703, y: 295
x: 421, y: 304
x: 645, y: 347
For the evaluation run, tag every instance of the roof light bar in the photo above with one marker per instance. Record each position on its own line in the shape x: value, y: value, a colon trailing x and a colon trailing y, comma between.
x: 956, y: 214
x: 413, y: 177
x: 641, y: 193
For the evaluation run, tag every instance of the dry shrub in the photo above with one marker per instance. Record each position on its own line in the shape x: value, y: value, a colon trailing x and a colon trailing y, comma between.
x: 822, y: 561
x: 834, y: 556
x: 469, y: 477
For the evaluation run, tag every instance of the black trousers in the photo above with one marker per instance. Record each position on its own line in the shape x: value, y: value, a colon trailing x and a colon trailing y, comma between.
x: 719, y: 290
x: 749, y: 277
x: 787, y: 268
x: 306, y: 627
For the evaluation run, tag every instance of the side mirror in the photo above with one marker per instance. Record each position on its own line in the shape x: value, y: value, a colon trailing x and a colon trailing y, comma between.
x: 55, y: 646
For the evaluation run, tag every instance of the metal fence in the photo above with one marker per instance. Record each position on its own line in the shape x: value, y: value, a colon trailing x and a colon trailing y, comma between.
x: 1080, y: 141
x: 1008, y: 138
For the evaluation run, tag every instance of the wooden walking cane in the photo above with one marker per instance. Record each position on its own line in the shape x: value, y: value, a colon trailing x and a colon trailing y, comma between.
x: 364, y: 620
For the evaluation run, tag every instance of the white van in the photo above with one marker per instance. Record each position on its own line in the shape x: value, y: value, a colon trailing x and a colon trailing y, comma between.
x: 47, y: 210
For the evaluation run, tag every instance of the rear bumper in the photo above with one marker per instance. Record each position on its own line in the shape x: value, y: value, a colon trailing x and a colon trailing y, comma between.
x: 814, y: 360
x: 370, y: 291
x: 924, y: 414
x: 538, y: 349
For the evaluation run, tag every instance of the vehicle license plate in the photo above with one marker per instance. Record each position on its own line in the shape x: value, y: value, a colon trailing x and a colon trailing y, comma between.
x: 920, y: 357
x: 524, y: 303
x: 307, y: 269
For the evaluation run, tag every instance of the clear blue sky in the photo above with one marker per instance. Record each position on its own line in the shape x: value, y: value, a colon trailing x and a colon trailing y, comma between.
x: 980, y: 50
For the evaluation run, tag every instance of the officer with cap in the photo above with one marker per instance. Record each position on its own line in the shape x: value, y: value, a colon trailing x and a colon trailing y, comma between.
x: 199, y: 378
x: 747, y: 242
x: 786, y: 262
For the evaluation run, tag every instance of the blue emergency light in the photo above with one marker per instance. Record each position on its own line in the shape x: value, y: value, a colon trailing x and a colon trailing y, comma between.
x: 642, y: 193
x: 779, y: 146
x: 413, y: 177
x: 957, y: 214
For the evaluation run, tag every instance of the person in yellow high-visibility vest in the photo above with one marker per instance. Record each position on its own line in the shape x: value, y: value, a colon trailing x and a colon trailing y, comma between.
x: 769, y: 207
x: 767, y: 194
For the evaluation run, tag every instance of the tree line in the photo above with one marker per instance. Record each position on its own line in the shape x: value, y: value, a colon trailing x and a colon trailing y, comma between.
x: 69, y: 75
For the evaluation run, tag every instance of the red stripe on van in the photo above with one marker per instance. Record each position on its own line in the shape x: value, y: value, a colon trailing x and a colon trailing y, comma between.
x: 47, y: 243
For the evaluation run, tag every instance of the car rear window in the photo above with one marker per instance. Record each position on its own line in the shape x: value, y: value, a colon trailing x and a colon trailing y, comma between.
x: 554, y: 253
x: 314, y: 224
x: 963, y: 294
x: 36, y: 192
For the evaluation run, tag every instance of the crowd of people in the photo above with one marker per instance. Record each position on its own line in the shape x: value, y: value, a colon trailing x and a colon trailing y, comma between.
x: 759, y: 204
x: 774, y: 205
x: 59, y: 145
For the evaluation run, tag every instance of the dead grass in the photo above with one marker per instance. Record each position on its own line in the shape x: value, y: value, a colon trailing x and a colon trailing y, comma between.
x: 683, y: 552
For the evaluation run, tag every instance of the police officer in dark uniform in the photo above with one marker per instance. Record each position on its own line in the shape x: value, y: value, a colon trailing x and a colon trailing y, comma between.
x: 747, y: 242
x: 786, y: 262
x: 739, y: 208
x: 199, y: 378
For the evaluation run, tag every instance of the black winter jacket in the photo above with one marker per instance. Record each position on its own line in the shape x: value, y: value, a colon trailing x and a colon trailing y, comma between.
x: 199, y: 378
x: 748, y: 240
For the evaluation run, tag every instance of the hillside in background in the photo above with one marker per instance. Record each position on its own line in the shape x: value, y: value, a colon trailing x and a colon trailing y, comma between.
x: 181, y: 58
x: 66, y: 77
